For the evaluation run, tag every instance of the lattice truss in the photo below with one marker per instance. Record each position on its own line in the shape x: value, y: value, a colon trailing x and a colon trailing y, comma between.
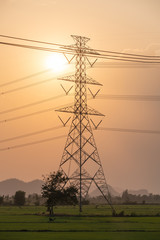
x: 80, y: 160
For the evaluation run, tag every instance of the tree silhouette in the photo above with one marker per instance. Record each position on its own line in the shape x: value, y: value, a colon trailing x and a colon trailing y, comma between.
x: 1, y: 200
x: 19, y: 198
x: 55, y: 192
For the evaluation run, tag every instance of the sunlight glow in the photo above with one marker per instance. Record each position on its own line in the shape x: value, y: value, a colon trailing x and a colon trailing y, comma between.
x: 56, y: 61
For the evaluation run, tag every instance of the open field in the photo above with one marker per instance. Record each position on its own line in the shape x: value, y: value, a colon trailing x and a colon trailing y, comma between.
x: 94, y: 223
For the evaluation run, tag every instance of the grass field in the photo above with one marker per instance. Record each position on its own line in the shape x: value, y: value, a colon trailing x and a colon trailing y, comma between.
x: 95, y: 223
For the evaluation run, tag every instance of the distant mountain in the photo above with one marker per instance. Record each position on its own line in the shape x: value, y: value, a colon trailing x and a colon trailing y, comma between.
x: 115, y: 191
x: 139, y: 192
x: 134, y: 192
x: 10, y: 186
x: 112, y: 191
x: 119, y: 190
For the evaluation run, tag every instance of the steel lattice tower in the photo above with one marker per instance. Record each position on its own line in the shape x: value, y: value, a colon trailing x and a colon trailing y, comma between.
x: 80, y: 160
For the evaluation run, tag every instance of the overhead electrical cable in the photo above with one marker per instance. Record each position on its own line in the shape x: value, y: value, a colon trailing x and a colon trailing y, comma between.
x: 32, y: 143
x: 103, y: 96
x: 95, y: 50
x: 129, y: 54
x: 114, y: 64
x: 32, y: 104
x: 31, y: 134
x: 37, y: 48
x: 130, y: 130
x: 129, y: 97
x: 27, y: 115
x: 62, y: 136
x: 122, y: 54
x: 31, y: 40
x: 102, y: 56
x: 122, y: 59
x: 24, y: 78
x: 27, y: 86
x: 125, y: 56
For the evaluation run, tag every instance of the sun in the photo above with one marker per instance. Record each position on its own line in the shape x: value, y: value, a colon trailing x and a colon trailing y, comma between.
x: 56, y: 61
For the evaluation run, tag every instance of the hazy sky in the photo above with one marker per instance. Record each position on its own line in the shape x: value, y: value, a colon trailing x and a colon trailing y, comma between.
x: 130, y: 160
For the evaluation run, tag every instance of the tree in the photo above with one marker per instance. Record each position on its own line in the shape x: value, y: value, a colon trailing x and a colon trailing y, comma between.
x: 55, y: 192
x: 125, y: 196
x: 1, y: 200
x: 19, y: 198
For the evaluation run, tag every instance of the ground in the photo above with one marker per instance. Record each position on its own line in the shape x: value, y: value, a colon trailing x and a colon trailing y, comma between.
x: 95, y: 223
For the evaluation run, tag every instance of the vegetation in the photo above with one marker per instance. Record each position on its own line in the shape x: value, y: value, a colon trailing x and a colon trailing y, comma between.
x: 19, y: 198
x: 55, y: 192
x: 1, y: 200
x: 31, y: 222
x: 128, y: 198
x: 125, y: 199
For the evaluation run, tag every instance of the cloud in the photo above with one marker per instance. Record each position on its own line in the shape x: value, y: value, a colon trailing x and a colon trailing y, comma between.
x: 152, y: 49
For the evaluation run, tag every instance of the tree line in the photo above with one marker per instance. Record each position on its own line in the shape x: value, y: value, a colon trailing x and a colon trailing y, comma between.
x: 55, y: 191
x: 128, y: 198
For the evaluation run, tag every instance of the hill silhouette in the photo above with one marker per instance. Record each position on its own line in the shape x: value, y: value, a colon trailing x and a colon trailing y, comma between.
x: 10, y: 186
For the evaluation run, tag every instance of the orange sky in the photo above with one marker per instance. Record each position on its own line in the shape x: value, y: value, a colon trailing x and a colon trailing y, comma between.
x: 130, y: 160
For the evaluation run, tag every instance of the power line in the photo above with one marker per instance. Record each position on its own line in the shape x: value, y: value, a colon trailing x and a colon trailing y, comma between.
x: 73, y: 48
x: 27, y: 115
x: 58, y: 127
x: 102, y: 96
x: 24, y: 78
x: 114, y: 53
x: 31, y: 114
x: 129, y: 54
x: 31, y: 40
x: 27, y: 86
x: 32, y: 143
x: 122, y: 59
x: 125, y: 56
x: 129, y: 97
x: 31, y: 104
x: 37, y: 48
x: 123, y: 65
x: 50, y: 139
x: 130, y: 130
x: 30, y: 134
x: 89, y: 54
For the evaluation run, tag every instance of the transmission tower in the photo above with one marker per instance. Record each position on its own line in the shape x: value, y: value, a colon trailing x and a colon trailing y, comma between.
x: 80, y: 160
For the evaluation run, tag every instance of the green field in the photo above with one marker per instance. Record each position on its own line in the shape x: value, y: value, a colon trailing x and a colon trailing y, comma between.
x: 95, y: 223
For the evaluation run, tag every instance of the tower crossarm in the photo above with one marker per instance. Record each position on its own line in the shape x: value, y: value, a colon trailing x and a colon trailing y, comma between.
x: 86, y: 80
x: 88, y: 111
